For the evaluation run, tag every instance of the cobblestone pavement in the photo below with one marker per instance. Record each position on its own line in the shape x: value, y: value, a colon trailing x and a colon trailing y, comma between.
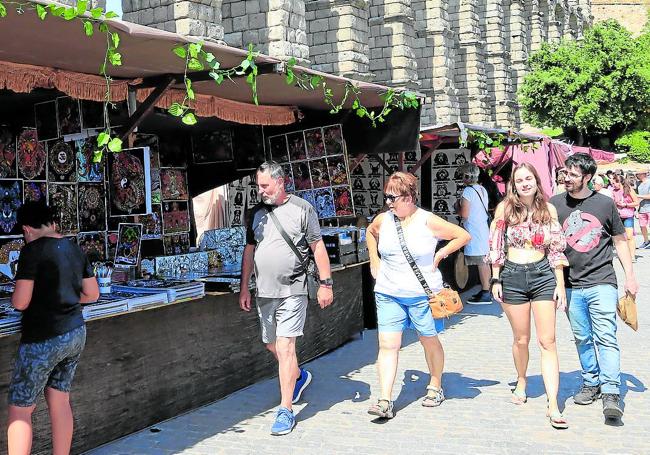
x: 476, y: 418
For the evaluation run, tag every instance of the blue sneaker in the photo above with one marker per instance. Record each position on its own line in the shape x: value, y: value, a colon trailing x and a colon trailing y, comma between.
x: 284, y: 422
x: 301, y: 384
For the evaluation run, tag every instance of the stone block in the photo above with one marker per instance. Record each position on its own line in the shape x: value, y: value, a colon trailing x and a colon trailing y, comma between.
x: 252, y: 7
x: 233, y: 39
x: 257, y: 20
x: 147, y: 17
x: 238, y: 9
x: 240, y: 23
x: 276, y: 18
x: 318, y: 25
x: 227, y: 26
x: 277, y: 33
x: 251, y: 36
x: 190, y: 27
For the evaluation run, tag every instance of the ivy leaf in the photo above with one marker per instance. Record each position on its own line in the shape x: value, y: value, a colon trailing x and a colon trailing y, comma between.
x: 82, y: 6
x: 111, y: 15
x: 97, y: 156
x: 88, y: 28
x: 180, y: 51
x: 188, y: 83
x: 103, y: 27
x: 96, y: 13
x: 116, y: 39
x: 315, y: 81
x: 291, y: 62
x: 209, y: 57
x: 115, y: 145
x: 290, y: 77
x: 190, y: 93
x: 115, y: 58
x: 250, y: 78
x: 103, y: 139
x: 175, y: 109
x: 40, y: 10
x: 245, y: 64
x: 218, y: 77
x: 189, y: 119
x: 355, y: 104
x: 69, y: 14
x: 194, y: 49
x: 194, y: 64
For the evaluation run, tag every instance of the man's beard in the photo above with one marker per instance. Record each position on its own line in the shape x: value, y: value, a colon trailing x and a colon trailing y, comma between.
x: 577, y: 187
x: 270, y: 200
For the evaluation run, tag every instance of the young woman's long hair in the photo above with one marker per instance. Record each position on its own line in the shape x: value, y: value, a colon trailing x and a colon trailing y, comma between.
x: 625, y: 183
x: 515, y: 210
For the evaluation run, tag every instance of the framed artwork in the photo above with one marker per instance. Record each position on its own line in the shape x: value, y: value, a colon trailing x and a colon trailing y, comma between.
x: 92, y: 115
x: 301, y: 177
x: 11, y: 199
x: 34, y: 191
x: 69, y: 115
x: 324, y: 203
x: 9, y: 254
x: 212, y: 147
x: 87, y: 170
x: 319, y: 175
x: 62, y: 162
x: 175, y: 217
x: 177, y: 243
x: 307, y: 196
x: 151, y: 141
x: 127, y: 251
x: 45, y: 120
x: 151, y: 223
x: 113, y: 222
x: 8, y: 168
x: 343, y: 201
x: 174, y: 184
x: 63, y: 197
x: 92, y: 207
x: 297, y: 147
x: 338, y: 170
x: 315, y: 144
x: 333, y: 137
x: 31, y: 156
x: 278, y: 148
x: 289, y: 185
x: 93, y: 244
x: 111, y: 244
x: 128, y: 183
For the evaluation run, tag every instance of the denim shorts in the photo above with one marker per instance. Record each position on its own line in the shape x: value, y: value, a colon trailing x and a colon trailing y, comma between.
x: 628, y: 222
x: 396, y: 314
x: 49, y: 363
x: 523, y: 283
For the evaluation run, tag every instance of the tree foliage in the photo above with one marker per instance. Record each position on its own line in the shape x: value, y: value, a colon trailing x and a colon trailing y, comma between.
x: 597, y: 86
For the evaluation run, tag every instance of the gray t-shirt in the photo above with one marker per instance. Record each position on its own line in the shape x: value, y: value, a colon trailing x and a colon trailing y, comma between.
x: 644, y: 190
x: 278, y: 271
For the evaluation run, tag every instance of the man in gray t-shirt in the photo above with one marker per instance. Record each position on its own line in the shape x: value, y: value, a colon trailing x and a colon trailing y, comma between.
x: 281, y: 288
x: 643, y: 192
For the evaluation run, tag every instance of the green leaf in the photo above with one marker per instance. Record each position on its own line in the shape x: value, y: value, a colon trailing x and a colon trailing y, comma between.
x: 103, y: 139
x: 96, y: 13
x: 115, y: 145
x: 195, y: 65
x: 69, y: 14
x: 115, y: 58
x: 218, y: 77
x: 40, y: 10
x: 188, y: 83
x: 209, y: 57
x: 315, y: 81
x: 102, y: 69
x: 88, y: 28
x: 97, y: 156
x: 3, y: 10
x: 189, y: 119
x: 290, y: 77
x: 194, y: 49
x: 111, y: 15
x: 250, y: 78
x: 245, y: 64
x: 82, y: 7
x: 103, y: 27
x: 190, y: 93
x: 291, y: 62
x: 180, y: 51
x: 176, y: 110
x: 116, y: 39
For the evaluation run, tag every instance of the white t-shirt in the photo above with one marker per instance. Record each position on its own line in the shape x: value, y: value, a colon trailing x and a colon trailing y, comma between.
x: 476, y: 222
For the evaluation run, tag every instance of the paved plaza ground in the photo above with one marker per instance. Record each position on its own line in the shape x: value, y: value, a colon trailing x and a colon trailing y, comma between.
x: 476, y: 418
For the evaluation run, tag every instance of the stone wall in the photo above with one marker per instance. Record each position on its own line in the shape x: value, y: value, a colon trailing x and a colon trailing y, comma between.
x: 632, y: 14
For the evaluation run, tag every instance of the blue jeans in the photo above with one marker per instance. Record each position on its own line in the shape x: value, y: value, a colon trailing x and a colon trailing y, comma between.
x: 592, y: 314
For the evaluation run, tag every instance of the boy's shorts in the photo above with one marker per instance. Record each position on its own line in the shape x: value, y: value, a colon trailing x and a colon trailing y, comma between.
x: 49, y: 363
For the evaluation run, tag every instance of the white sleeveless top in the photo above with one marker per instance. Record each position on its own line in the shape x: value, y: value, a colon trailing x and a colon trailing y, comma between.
x: 395, y: 277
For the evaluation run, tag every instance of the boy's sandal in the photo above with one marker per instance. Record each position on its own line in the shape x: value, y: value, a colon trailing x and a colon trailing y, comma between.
x: 433, y: 398
x: 518, y: 396
x: 383, y: 409
x: 557, y: 420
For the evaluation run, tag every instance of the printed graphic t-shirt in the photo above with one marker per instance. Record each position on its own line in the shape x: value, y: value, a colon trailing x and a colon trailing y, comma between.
x: 589, y: 225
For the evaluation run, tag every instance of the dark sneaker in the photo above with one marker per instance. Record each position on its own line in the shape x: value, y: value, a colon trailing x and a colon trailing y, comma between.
x: 301, y: 384
x: 612, y: 408
x: 587, y: 394
x: 480, y: 298
x: 284, y: 422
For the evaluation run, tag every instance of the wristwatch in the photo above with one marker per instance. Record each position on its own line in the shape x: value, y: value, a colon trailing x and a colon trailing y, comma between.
x: 494, y: 281
x: 327, y: 282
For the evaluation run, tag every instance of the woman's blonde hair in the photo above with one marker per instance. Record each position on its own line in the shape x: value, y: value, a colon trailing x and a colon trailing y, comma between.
x: 402, y: 184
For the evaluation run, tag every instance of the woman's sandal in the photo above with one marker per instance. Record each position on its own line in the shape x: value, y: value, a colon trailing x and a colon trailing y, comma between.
x: 433, y: 398
x: 518, y: 396
x: 383, y: 409
x: 557, y: 420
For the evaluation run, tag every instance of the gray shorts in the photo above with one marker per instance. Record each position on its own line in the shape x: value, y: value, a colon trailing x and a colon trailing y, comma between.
x: 475, y: 260
x: 283, y: 317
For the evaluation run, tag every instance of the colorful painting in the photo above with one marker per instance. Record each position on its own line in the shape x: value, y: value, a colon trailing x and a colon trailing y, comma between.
x: 45, y: 119
x: 92, y: 115
x: 174, y: 184
x: 8, y: 167
x: 93, y: 244
x: 34, y: 191
x: 127, y: 251
x: 183, y: 263
x: 315, y: 144
x: 92, y: 207
x: 128, y: 182
x: 68, y: 115
x: 63, y: 197
x: 324, y: 203
x: 212, y: 147
x: 31, y: 156
x: 297, y: 148
x: 175, y: 217
x: 301, y: 178
x: 177, y: 243
x: 338, y: 170
x: 343, y: 201
x: 151, y: 141
x: 111, y: 244
x: 11, y: 199
x: 228, y: 242
x: 278, y: 148
x: 319, y: 174
x: 151, y: 223
x: 333, y: 137
x: 62, y: 160
x: 289, y: 184
x: 9, y: 254
x: 307, y: 196
x: 87, y: 169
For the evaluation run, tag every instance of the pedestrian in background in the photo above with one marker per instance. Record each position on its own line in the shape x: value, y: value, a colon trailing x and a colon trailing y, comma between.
x: 400, y: 297
x: 559, y: 181
x: 54, y: 277
x: 600, y: 186
x: 526, y: 252
x: 626, y: 202
x: 643, y: 194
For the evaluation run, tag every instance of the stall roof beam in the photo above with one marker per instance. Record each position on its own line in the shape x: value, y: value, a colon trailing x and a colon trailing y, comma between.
x: 147, y: 106
x: 203, y: 76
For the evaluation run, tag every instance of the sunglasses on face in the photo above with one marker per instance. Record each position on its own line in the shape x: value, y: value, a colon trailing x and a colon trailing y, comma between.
x: 390, y: 198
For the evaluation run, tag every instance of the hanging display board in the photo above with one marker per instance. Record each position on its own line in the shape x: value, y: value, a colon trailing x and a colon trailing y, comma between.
x: 447, y: 185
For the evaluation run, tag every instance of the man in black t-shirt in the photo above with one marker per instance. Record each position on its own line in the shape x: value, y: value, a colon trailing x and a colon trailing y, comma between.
x: 54, y: 277
x: 592, y: 226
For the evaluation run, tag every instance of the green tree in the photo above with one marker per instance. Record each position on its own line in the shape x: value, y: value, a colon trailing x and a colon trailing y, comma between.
x: 599, y: 86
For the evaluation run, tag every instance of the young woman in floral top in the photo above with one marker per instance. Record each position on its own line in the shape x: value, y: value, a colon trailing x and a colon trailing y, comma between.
x: 526, y: 253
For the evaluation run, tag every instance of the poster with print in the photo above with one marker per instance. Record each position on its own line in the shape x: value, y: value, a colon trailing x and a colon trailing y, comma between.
x: 8, y: 166
x: 128, y: 182
x: 314, y: 142
x: 176, y: 243
x: 9, y: 255
x: 289, y: 185
x: 45, y: 120
x: 34, y: 191
x: 297, y: 146
x: 93, y: 244
x: 301, y: 175
x: 319, y: 174
x: 278, y: 148
x: 11, y: 199
x: 92, y: 207
x: 333, y: 137
x: 175, y: 217
x: 127, y: 251
x: 68, y: 115
x: 338, y: 170
x: 324, y: 203
x: 63, y: 197
x: 31, y: 156
x: 343, y: 201
x: 174, y: 184
x: 87, y: 169
x: 151, y: 223
x: 62, y: 160
x: 151, y: 141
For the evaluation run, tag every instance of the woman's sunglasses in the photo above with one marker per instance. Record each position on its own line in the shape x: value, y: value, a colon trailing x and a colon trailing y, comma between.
x: 390, y: 198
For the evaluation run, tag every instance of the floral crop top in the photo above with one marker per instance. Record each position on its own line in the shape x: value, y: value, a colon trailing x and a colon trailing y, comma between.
x: 548, y: 239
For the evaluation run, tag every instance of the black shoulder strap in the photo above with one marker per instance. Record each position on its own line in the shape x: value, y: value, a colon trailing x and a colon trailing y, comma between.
x: 409, y: 258
x: 481, y: 198
x: 287, y: 239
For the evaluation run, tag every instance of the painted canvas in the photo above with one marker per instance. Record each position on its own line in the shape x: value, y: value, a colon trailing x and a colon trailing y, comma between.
x: 62, y: 161
x: 151, y: 223
x: 87, y: 170
x: 343, y: 201
x: 93, y: 244
x: 333, y: 137
x: 113, y: 222
x: 69, y: 115
x: 45, y: 120
x: 63, y: 197
x: 338, y: 170
x: 175, y: 217
x: 31, y: 156
x: 127, y: 251
x: 307, y: 196
x: 92, y: 207
x: 174, y: 184
x: 151, y: 141
x: 315, y: 144
x: 324, y: 203
x: 92, y: 115
x: 297, y: 147
x: 34, y: 191
x: 212, y: 147
x: 319, y: 175
x: 177, y: 243
x: 11, y: 199
x: 111, y: 245
x: 289, y: 184
x: 9, y: 254
x: 278, y: 148
x: 301, y: 175
x: 128, y: 183
x: 8, y: 167
x: 229, y: 242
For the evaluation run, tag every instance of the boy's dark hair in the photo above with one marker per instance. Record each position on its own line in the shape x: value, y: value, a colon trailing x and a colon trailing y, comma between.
x: 582, y: 161
x: 36, y: 214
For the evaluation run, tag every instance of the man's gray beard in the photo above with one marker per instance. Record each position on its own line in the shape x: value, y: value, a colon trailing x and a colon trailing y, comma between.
x: 269, y: 200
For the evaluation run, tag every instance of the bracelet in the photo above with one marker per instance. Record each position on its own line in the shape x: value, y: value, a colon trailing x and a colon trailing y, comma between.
x: 494, y: 281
